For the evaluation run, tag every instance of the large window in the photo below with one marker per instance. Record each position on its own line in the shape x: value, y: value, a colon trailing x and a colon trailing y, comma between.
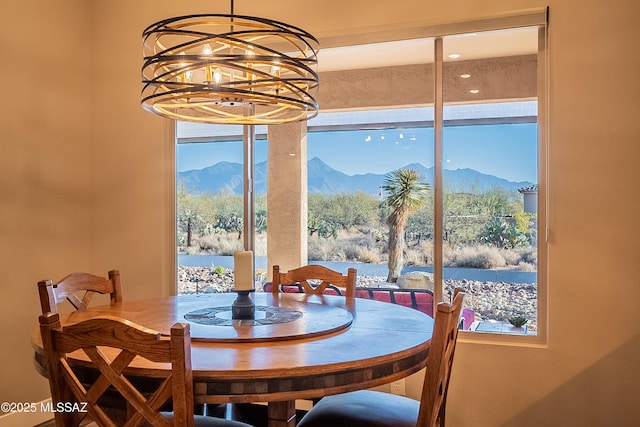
x: 463, y: 127
x: 209, y: 206
x: 489, y: 242
x: 485, y: 162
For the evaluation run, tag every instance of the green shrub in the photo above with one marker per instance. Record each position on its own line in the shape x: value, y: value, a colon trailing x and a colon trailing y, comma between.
x: 412, y: 257
x: 319, y: 249
x: 478, y: 257
x: 351, y: 251
x: 528, y: 254
x: 525, y: 266
x: 370, y: 256
x: 518, y: 321
x: 221, y: 243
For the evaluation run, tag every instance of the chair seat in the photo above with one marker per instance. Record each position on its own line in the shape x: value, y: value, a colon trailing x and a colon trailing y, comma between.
x: 204, y: 421
x: 368, y: 408
x: 363, y: 408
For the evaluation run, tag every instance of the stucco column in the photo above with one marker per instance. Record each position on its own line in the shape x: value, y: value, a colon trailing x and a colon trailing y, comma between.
x: 287, y: 196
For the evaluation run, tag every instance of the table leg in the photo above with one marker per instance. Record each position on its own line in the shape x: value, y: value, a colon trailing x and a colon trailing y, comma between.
x: 282, y: 414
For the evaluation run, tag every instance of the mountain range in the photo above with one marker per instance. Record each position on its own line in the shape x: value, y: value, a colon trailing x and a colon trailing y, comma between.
x: 227, y: 178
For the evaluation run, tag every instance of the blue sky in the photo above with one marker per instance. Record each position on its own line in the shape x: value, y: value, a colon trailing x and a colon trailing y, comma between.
x: 507, y: 151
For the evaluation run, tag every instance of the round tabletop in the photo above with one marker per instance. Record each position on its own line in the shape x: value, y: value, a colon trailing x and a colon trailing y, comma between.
x: 373, y: 343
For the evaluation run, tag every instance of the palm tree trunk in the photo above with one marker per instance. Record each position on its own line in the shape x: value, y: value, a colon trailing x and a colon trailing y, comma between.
x: 396, y: 249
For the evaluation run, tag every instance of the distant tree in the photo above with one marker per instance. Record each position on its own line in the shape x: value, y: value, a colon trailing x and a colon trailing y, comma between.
x: 188, y: 221
x: 231, y: 222
x: 324, y: 228
x: 466, y: 214
x: 189, y: 214
x: 420, y: 224
x: 261, y: 220
x: 405, y: 195
x: 502, y: 234
x: 329, y: 213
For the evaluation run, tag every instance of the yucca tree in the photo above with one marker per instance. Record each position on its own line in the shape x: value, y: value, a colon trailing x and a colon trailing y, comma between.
x: 406, y: 193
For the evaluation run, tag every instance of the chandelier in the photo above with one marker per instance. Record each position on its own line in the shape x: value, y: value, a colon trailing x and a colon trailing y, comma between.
x: 230, y: 69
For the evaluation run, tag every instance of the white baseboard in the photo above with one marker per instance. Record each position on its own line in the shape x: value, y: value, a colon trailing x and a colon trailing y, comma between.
x: 27, y: 419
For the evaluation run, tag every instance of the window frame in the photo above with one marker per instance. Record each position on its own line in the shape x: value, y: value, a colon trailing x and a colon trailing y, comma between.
x: 530, y: 18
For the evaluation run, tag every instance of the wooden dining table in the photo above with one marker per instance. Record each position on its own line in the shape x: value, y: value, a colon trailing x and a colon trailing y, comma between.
x: 298, y: 346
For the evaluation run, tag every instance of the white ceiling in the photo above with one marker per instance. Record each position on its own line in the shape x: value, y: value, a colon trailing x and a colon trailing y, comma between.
x: 490, y: 44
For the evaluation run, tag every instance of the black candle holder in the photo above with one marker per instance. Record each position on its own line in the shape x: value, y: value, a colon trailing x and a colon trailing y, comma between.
x: 243, y: 307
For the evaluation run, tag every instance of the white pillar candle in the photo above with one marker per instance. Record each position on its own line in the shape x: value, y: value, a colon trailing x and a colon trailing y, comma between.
x: 243, y: 270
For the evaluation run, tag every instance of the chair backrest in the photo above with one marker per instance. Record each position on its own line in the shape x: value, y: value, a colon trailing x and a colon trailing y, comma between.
x: 111, y: 344
x: 439, y: 362
x: 324, y: 275
x: 78, y: 289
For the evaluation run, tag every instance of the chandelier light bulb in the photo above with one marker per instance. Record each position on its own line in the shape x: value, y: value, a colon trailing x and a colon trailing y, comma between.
x: 217, y: 76
x: 185, y: 77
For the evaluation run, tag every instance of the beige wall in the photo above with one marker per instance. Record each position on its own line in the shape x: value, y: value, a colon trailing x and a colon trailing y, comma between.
x: 503, y: 79
x: 132, y: 158
x: 45, y: 169
x: 86, y: 184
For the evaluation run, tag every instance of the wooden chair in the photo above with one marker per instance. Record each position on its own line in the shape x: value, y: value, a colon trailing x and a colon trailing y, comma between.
x: 324, y: 275
x: 297, y: 281
x: 367, y: 408
x: 78, y: 289
x: 111, y: 344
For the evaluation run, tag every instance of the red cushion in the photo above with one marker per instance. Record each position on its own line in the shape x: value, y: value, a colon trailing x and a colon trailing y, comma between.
x: 416, y: 299
x: 469, y: 316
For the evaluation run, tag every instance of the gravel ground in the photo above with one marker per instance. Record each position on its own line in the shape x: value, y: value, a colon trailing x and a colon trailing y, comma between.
x: 491, y: 301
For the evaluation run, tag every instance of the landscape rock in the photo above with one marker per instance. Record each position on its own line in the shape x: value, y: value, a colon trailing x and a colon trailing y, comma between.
x: 491, y: 301
x: 416, y: 280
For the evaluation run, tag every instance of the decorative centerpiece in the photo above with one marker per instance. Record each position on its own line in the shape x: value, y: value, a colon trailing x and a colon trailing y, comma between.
x: 243, y: 307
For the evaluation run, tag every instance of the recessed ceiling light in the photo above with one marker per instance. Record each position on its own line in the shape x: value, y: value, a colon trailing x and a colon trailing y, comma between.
x: 465, y: 76
x: 454, y: 56
x: 474, y: 91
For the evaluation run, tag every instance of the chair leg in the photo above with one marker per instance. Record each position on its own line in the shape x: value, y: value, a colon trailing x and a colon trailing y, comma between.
x: 216, y: 410
x: 250, y: 413
x: 441, y: 413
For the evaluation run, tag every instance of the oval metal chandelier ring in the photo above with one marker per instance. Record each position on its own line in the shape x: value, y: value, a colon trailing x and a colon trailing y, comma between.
x: 231, y: 69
